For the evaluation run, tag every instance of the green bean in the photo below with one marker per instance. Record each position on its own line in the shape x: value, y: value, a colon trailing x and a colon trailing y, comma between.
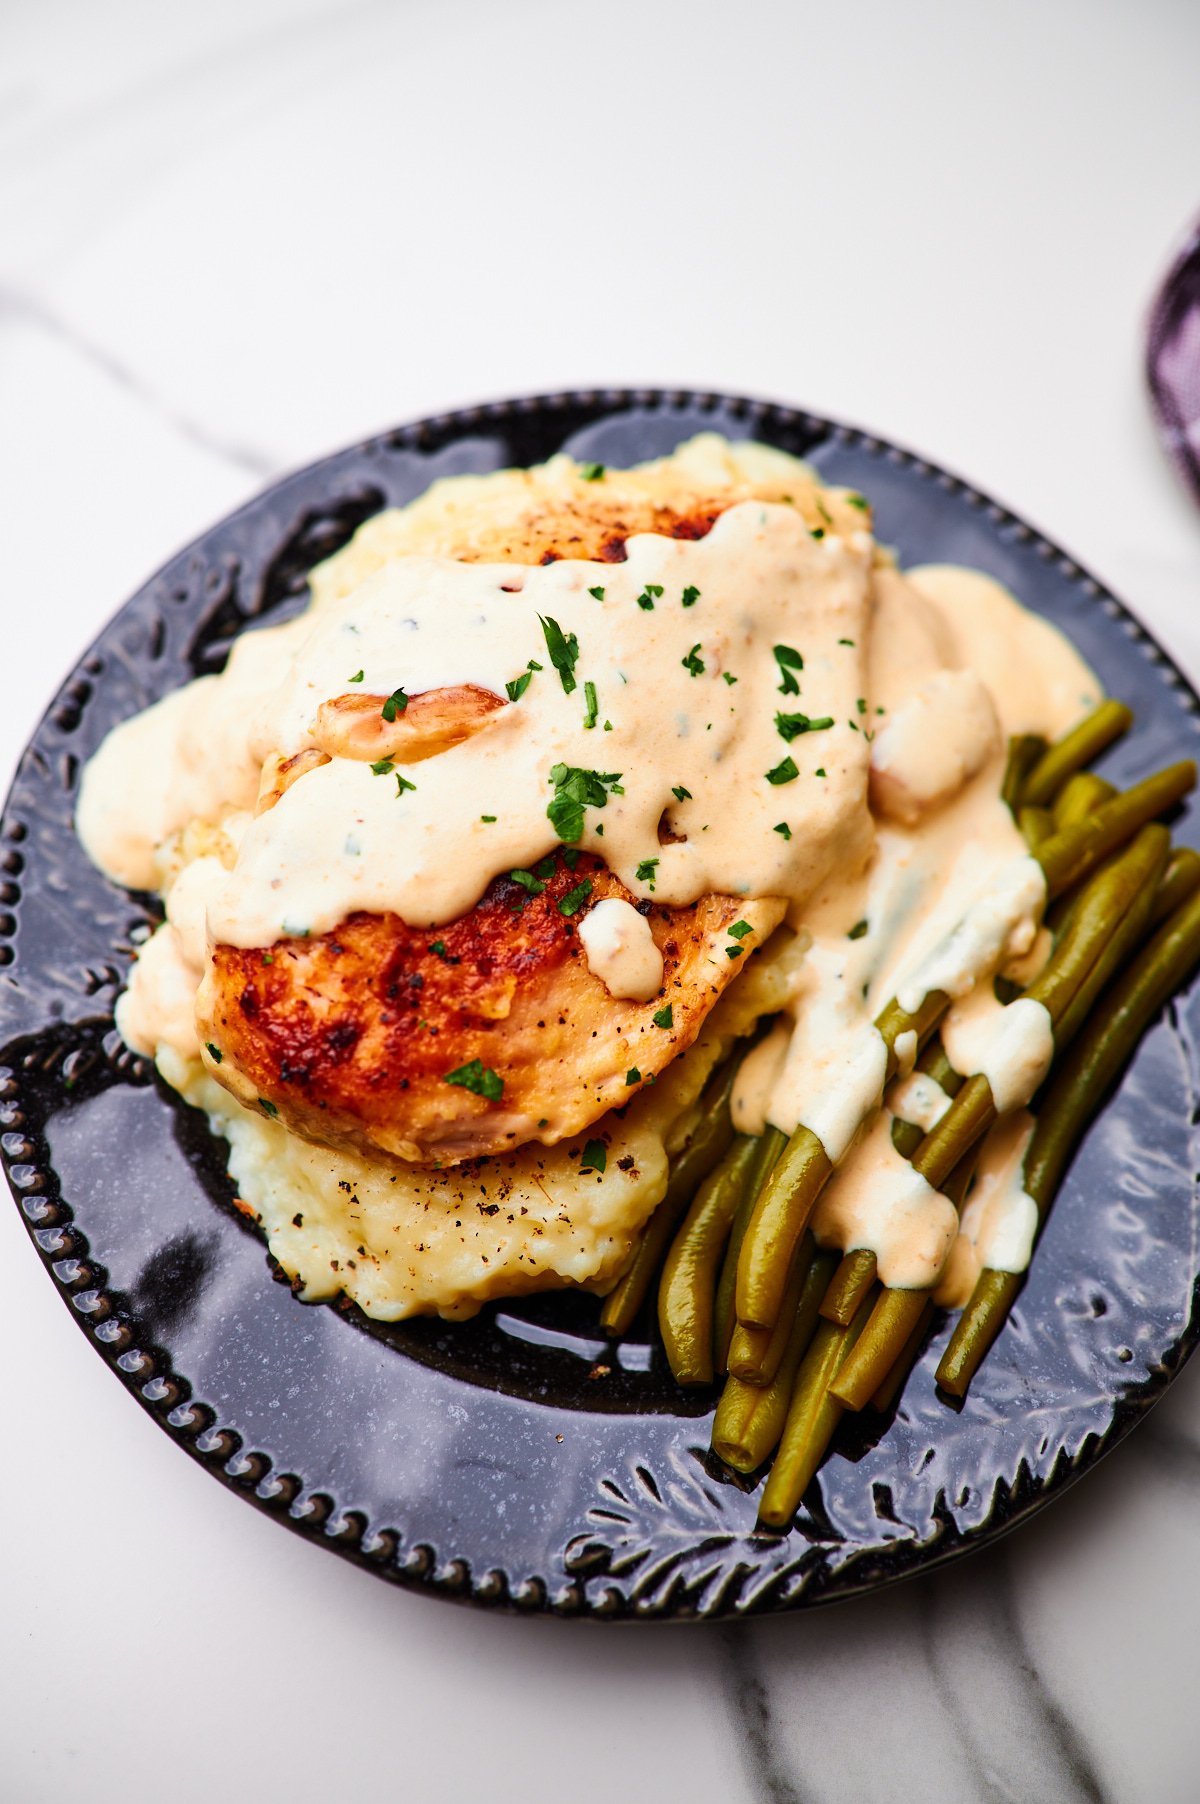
x: 771, y: 1143
x: 1035, y: 824
x: 755, y: 1353
x: 709, y: 1142
x: 1024, y: 750
x: 779, y: 1218
x: 892, y: 1385
x: 750, y: 1417
x: 685, y: 1292
x: 893, y: 1021
x: 893, y: 1319
x: 1180, y: 880
x: 1107, y: 1042
x: 849, y: 1284
x: 1079, y: 848
x: 812, y: 1417
x: 1075, y: 749
x: 1081, y: 795
x: 934, y: 1063
x: 1128, y: 934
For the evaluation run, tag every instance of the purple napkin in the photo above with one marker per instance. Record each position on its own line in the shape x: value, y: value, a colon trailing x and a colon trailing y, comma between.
x: 1173, y: 361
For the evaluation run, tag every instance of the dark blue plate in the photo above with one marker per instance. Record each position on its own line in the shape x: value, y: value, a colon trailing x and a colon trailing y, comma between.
x: 514, y: 1460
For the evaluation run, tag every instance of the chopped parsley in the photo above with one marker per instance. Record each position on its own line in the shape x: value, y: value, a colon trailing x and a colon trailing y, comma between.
x: 788, y: 660
x: 593, y: 706
x: 632, y: 1076
x: 786, y: 772
x: 853, y: 725
x: 608, y: 726
x: 402, y: 783
x: 820, y: 771
x: 563, y: 650
x: 734, y: 951
x: 383, y: 767
x: 739, y: 930
x: 528, y: 882
x: 690, y: 596
x: 731, y: 680
x: 395, y: 704
x: 648, y: 595
x: 694, y: 662
x: 790, y: 726
x: 516, y: 689
x: 214, y: 1052
x: 355, y: 679
x: 857, y: 931
x: 478, y: 1078
x: 268, y: 958
x: 438, y: 948
x: 858, y: 501
x: 489, y: 818
x: 268, y: 1108
x: 597, y: 593
x: 663, y: 1017
x: 575, y: 790
x: 816, y: 532
x: 681, y: 794
x: 570, y: 856
x: 645, y: 871
x: 861, y: 705
x: 591, y: 472
x: 595, y: 1156
x: 544, y: 868
x: 782, y: 827
x: 574, y: 899
x: 849, y: 642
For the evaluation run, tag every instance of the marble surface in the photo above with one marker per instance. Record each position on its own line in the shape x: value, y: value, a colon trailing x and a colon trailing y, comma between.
x: 236, y: 235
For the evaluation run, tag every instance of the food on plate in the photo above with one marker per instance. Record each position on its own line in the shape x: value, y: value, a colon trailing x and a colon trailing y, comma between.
x: 633, y: 878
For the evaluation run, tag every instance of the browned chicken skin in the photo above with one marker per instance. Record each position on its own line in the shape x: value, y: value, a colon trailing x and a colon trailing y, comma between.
x: 349, y: 1036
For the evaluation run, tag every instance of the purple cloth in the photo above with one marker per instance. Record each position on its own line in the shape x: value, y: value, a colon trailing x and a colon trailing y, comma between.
x: 1173, y: 362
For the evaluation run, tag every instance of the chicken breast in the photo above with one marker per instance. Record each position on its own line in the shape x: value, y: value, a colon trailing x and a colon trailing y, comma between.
x: 450, y: 1043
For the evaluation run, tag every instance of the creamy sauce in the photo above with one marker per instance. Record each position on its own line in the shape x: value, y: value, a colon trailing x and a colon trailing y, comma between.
x: 877, y: 1201
x: 621, y: 951
x: 1000, y: 1220
x: 705, y: 790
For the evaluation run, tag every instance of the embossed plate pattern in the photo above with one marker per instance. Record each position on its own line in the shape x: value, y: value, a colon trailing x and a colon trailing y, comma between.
x: 514, y: 1461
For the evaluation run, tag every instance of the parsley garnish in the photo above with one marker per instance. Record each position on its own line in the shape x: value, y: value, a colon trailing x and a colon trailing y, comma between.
x: 570, y: 856
x: 268, y: 958
x: 645, y: 871
x: 846, y: 642
x: 608, y: 726
x: 783, y: 828
x: 593, y: 706
x: 384, y: 767
x: 861, y: 705
x: 268, y: 1107
x: 731, y: 680
x: 853, y: 725
x: 528, y: 882
x: 595, y: 1156
x: 739, y: 930
x: 575, y: 790
x: 816, y: 532
x: 516, y: 689
x: 214, y: 1052
x: 438, y: 948
x: 574, y: 900
x: 646, y: 598
x: 858, y: 501
x: 681, y: 794
x: 694, y: 662
x: 786, y: 772
x: 591, y: 473
x: 663, y: 1017
x: 820, y: 770
x: 489, y: 818
x: 857, y: 931
x: 789, y: 661
x: 597, y: 593
x: 402, y: 783
x: 632, y: 1076
x: 544, y: 868
x: 478, y: 1078
x: 356, y: 679
x: 734, y: 951
x: 563, y: 650
x: 690, y: 596
x: 395, y: 704
x: 790, y: 726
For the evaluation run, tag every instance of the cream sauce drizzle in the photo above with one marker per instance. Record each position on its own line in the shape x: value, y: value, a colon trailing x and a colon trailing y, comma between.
x: 876, y: 1200
x: 1000, y: 1220
x: 620, y: 950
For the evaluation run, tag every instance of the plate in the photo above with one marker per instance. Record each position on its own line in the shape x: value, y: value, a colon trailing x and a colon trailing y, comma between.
x: 515, y: 1461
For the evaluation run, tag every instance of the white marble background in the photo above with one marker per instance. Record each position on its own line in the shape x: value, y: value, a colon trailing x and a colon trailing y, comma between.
x: 237, y: 234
